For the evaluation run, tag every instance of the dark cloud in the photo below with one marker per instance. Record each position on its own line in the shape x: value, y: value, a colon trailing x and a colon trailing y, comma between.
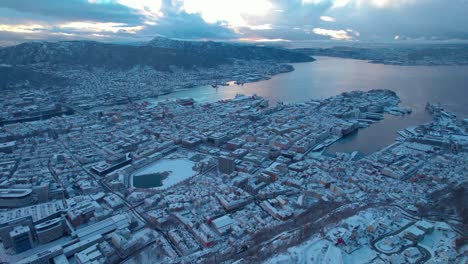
x: 440, y: 19
x: 288, y: 19
x: 175, y: 23
x: 285, y: 33
x: 418, y: 19
x: 10, y: 16
x: 179, y: 24
x: 70, y: 10
x: 188, y: 26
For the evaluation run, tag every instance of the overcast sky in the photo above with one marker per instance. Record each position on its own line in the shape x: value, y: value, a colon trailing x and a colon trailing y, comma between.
x: 247, y: 20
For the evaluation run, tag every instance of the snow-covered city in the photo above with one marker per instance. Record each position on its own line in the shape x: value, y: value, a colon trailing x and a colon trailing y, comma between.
x: 233, y: 180
x: 234, y: 132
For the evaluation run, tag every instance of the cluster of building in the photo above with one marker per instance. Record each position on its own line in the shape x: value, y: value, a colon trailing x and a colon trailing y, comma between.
x: 67, y: 192
x: 89, y: 87
x: 378, y: 235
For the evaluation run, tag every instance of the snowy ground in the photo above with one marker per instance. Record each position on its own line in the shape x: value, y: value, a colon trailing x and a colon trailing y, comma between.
x: 442, y: 236
x: 323, y: 250
x: 319, y: 250
x: 312, y: 251
x: 362, y: 255
x: 180, y: 169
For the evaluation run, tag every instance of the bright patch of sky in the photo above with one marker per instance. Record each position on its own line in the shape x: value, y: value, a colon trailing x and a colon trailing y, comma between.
x: 341, y: 34
x: 233, y: 12
x: 327, y: 19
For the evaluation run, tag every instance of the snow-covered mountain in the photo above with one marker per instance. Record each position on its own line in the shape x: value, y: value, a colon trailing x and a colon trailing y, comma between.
x: 159, y: 53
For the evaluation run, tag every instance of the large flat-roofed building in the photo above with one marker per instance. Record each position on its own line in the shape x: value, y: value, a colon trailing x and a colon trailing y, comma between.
x: 226, y: 164
x: 103, y: 227
x: 414, y: 234
x: 49, y: 230
x: 7, y: 227
x: 83, y: 244
x: 38, y: 212
x: 89, y: 255
x: 15, y: 197
x: 217, y: 138
x: 46, y: 256
x: 190, y: 141
x: 222, y: 224
x: 7, y: 147
x: 82, y: 212
x: 111, y: 164
x: 22, y: 238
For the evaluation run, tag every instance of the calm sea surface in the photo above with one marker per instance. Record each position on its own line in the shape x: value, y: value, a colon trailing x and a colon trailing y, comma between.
x: 326, y: 77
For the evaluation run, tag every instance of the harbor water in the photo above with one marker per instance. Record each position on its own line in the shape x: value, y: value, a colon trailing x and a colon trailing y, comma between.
x: 325, y: 77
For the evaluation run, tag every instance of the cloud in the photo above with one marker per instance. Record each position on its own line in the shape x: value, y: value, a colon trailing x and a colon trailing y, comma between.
x: 100, y: 27
x: 117, y: 20
x: 21, y: 28
x: 263, y: 40
x: 105, y: 20
x: 327, y: 19
x: 232, y: 12
x: 261, y: 27
x: 177, y: 23
x: 148, y: 8
x: 382, y: 20
x: 361, y: 3
x: 75, y: 10
x: 389, y: 3
x: 341, y: 34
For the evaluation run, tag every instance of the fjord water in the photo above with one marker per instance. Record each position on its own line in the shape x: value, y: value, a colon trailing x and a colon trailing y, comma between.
x: 325, y: 77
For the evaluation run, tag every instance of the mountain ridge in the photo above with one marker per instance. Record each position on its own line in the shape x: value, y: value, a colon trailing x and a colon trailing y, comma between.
x: 184, y: 54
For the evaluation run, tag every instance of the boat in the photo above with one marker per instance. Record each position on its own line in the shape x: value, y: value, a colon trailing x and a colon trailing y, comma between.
x: 394, y: 112
x: 185, y: 101
x: 363, y: 125
x: 318, y: 147
x: 404, y: 134
x: 407, y: 110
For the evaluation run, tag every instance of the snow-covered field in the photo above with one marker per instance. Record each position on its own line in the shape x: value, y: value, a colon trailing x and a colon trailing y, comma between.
x: 315, y: 250
x: 358, y: 249
x: 179, y: 170
x: 319, y: 251
x: 322, y: 249
x: 442, y: 236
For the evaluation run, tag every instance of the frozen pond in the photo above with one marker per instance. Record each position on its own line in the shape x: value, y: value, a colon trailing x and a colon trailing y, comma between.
x: 163, y: 173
